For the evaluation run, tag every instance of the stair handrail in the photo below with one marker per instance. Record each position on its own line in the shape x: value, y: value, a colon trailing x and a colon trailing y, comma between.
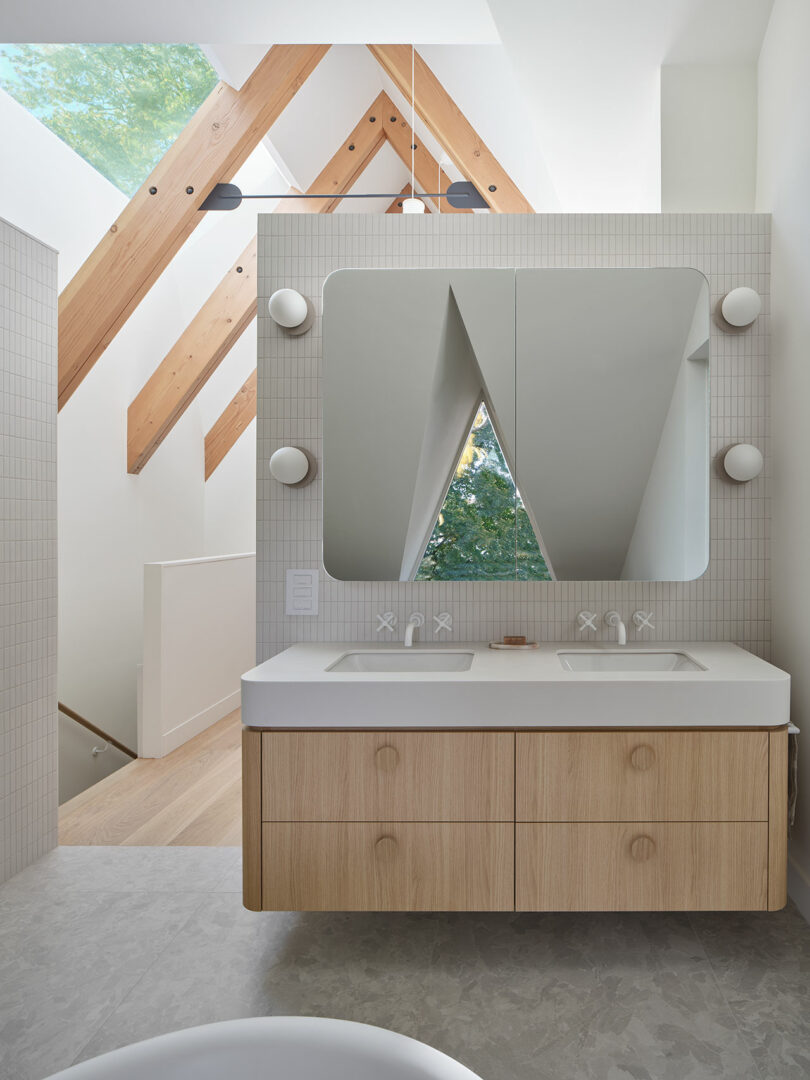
x: 111, y: 739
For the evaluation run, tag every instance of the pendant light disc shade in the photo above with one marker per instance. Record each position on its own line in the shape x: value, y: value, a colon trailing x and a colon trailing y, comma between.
x: 413, y: 206
x: 223, y: 197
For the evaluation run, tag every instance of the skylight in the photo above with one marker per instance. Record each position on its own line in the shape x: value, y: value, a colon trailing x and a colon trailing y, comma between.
x: 119, y: 106
x: 483, y: 530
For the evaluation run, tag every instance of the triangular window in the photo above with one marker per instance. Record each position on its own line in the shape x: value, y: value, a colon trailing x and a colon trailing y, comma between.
x: 483, y: 531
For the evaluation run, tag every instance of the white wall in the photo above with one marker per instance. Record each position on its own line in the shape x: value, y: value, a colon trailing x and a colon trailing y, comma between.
x: 783, y: 187
x: 111, y: 523
x: 708, y: 138
x: 199, y: 637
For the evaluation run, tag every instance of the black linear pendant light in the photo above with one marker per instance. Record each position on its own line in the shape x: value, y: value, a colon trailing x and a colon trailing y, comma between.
x: 461, y: 195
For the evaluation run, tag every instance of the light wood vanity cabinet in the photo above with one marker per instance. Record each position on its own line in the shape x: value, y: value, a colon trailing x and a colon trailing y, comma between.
x: 527, y: 820
x: 388, y: 776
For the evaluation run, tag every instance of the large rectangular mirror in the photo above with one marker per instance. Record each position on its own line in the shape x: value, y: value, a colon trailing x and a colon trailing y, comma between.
x: 501, y: 424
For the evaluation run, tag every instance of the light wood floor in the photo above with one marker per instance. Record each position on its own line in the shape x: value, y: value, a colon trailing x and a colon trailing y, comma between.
x: 192, y: 796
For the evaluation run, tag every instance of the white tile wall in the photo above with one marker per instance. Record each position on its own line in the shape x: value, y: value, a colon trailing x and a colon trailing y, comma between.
x: 730, y: 602
x: 28, y: 740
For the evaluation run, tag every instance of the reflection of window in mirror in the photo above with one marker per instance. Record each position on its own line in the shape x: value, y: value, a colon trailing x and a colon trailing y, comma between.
x: 483, y: 531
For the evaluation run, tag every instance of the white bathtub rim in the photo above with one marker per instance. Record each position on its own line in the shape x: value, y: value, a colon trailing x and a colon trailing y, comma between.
x: 276, y: 1032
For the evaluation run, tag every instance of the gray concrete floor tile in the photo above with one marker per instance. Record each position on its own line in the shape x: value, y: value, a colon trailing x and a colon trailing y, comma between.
x: 100, y: 947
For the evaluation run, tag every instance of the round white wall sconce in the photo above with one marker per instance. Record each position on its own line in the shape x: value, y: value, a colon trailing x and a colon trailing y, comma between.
x: 743, y: 462
x: 290, y: 465
x: 740, y: 307
x: 291, y: 311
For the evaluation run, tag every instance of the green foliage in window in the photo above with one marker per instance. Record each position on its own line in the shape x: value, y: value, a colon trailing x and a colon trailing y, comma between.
x: 119, y: 106
x: 483, y: 532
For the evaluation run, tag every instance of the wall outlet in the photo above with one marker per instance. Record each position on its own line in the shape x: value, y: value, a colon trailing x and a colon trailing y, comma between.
x: 301, y: 593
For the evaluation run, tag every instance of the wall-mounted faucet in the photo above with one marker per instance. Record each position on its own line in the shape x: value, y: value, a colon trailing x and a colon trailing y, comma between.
x: 613, y: 618
x: 415, y: 619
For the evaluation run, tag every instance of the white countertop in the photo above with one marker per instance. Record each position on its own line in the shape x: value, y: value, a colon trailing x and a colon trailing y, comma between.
x: 515, y: 689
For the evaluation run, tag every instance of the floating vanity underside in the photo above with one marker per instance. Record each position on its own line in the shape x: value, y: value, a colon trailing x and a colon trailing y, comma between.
x: 526, y: 820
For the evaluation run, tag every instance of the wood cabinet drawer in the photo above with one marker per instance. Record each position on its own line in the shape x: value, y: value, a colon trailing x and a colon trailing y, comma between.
x: 650, y: 866
x: 317, y: 866
x: 642, y: 776
x: 387, y: 776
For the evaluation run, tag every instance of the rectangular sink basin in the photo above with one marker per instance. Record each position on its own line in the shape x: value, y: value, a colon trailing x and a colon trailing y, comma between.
x: 403, y: 660
x: 627, y: 660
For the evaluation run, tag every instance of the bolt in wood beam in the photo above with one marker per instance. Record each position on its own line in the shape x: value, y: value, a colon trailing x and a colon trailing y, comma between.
x: 451, y: 129
x: 153, y: 226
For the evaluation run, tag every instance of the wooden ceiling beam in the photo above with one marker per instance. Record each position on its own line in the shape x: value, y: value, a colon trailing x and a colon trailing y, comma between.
x: 425, y: 166
x: 396, y: 205
x: 451, y: 129
x: 236, y: 416
x: 346, y: 165
x: 196, y: 355
x: 230, y: 308
x: 153, y: 226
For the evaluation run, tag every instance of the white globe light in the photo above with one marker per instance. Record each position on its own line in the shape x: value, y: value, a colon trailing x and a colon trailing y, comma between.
x: 288, y: 308
x: 741, y: 306
x: 289, y: 465
x: 743, y: 462
x: 413, y: 206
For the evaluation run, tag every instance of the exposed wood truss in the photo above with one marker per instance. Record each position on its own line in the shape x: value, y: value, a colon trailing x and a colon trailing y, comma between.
x: 396, y: 205
x: 232, y: 422
x: 207, y: 339
x: 451, y: 129
x: 162, y: 214
x: 232, y: 305
x: 230, y: 308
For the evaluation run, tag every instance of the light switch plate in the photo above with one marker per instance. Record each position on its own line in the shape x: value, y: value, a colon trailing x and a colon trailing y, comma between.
x: 301, y: 593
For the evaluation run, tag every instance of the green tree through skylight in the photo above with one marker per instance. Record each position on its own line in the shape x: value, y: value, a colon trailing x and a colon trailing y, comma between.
x: 119, y: 106
x: 483, y: 532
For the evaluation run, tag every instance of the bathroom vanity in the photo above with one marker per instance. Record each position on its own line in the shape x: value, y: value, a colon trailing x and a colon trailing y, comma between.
x: 458, y: 778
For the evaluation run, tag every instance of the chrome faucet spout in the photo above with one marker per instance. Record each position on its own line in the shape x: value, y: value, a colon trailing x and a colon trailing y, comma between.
x: 613, y: 618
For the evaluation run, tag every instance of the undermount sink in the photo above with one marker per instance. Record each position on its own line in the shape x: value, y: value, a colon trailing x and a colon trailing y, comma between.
x: 627, y: 660
x: 403, y: 660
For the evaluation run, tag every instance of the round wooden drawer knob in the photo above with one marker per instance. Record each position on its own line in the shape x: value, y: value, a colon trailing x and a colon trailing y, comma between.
x: 387, y: 758
x: 385, y: 847
x: 642, y: 848
x: 642, y: 758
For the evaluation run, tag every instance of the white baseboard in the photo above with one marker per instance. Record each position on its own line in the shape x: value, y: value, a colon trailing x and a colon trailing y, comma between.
x: 799, y: 888
x: 180, y: 734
